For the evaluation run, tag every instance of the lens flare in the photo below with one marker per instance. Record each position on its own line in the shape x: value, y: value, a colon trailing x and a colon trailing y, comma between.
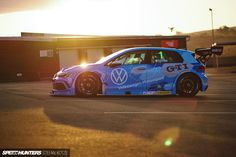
x: 168, y: 142
x: 165, y: 139
x: 84, y: 65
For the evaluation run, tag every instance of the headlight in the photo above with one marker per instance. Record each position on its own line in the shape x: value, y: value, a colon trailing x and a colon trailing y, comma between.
x: 63, y: 74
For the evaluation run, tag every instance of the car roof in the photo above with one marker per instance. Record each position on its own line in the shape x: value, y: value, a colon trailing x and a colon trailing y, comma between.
x: 150, y: 48
x: 154, y: 48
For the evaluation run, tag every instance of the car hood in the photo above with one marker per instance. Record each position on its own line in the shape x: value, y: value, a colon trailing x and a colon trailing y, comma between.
x: 79, y: 68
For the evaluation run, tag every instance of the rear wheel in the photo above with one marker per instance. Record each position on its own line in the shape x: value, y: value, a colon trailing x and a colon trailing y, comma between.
x: 188, y: 85
x: 88, y: 84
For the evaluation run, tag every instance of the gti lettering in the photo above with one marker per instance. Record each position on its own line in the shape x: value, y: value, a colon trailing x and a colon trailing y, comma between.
x: 177, y: 67
x: 170, y: 68
x: 185, y: 66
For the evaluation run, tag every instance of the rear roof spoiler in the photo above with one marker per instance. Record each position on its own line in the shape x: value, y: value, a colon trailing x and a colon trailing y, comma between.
x: 205, y: 53
x: 215, y: 50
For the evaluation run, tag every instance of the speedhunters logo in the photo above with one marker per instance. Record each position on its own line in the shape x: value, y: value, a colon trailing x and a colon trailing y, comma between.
x: 21, y: 153
x: 36, y: 152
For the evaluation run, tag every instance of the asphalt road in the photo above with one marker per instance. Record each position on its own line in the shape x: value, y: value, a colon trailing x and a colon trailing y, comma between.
x: 122, y: 126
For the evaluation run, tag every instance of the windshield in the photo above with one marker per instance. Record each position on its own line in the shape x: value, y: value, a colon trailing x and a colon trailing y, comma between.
x: 109, y: 57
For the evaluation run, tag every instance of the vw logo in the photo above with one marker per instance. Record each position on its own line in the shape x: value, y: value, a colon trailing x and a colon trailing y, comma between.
x: 119, y: 76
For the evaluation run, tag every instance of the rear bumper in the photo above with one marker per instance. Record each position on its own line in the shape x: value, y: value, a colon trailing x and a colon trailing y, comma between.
x: 204, y: 82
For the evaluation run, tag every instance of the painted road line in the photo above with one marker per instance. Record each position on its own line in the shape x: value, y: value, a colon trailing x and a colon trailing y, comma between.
x: 213, y: 113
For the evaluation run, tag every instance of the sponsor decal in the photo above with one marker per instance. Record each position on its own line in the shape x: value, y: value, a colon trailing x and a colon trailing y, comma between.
x: 157, y: 92
x: 137, y: 84
x: 176, y: 67
x: 119, y: 76
x: 163, y: 92
x: 149, y: 93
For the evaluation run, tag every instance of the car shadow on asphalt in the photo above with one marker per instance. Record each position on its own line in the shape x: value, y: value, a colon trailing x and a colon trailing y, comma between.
x: 142, y: 116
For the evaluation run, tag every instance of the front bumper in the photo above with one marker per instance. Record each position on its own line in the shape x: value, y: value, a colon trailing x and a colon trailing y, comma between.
x: 62, y: 88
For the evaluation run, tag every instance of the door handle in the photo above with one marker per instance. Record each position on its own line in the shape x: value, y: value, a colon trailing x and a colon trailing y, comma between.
x: 141, y: 68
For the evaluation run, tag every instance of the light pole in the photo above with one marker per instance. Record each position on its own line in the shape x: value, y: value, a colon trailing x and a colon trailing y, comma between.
x: 212, y: 27
x: 213, y: 36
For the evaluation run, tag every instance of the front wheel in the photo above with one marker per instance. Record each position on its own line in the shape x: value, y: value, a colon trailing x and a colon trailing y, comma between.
x: 188, y: 85
x: 88, y: 85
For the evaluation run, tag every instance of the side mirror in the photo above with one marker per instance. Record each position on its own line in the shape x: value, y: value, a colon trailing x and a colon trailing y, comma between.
x: 115, y: 64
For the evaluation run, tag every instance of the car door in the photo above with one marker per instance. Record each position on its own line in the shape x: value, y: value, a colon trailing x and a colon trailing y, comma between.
x: 162, y: 71
x: 126, y: 74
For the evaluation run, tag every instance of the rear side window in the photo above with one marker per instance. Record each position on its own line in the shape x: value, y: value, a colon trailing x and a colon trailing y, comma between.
x: 167, y: 56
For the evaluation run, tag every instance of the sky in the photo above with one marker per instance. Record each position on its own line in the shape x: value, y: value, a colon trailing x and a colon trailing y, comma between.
x: 113, y: 17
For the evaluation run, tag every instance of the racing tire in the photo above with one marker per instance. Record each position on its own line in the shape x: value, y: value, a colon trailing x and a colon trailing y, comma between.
x: 188, y: 85
x: 88, y: 84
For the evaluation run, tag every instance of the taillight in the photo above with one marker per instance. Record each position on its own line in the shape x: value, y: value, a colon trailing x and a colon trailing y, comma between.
x: 201, y: 69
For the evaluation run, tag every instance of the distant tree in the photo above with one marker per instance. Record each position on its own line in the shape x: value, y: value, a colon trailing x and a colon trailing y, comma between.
x: 224, y: 29
x: 171, y: 29
x: 179, y: 33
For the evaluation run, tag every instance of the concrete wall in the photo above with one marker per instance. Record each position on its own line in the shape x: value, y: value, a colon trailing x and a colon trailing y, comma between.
x: 21, y: 60
x: 223, y: 61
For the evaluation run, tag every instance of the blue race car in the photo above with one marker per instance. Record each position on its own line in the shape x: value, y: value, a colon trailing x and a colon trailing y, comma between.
x: 135, y: 71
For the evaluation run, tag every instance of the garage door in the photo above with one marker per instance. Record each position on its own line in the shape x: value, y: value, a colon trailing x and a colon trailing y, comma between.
x: 68, y: 58
x: 94, y: 55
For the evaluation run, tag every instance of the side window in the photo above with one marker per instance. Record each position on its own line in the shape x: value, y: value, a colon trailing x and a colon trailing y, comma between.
x: 173, y: 57
x: 138, y: 57
x: 135, y: 58
x: 120, y: 59
x: 165, y: 56
x: 157, y: 57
